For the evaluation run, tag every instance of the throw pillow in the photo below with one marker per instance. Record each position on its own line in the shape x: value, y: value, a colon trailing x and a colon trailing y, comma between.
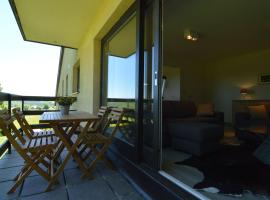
x: 205, y: 109
x: 258, y: 112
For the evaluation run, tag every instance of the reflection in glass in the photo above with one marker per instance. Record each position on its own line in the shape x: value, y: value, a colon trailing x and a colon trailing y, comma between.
x: 120, y: 76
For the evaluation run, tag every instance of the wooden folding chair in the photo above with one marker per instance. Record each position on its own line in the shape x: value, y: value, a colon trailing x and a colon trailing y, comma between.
x: 27, y: 129
x: 95, y: 127
x: 98, y: 142
x: 38, y: 153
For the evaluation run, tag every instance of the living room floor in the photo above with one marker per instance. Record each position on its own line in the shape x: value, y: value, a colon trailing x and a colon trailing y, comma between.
x: 191, y: 175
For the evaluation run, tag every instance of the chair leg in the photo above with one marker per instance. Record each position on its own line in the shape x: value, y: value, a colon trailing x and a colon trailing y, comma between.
x: 98, y: 157
x: 20, y: 180
x: 108, y: 163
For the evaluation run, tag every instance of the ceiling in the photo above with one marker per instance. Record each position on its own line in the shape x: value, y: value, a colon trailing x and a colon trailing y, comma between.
x: 227, y: 28
x: 47, y: 20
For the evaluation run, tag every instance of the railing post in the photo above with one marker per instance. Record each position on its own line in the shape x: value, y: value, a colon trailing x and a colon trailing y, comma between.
x: 9, y: 111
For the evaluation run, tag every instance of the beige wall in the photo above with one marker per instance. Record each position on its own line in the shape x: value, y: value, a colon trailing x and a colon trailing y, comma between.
x: 224, y: 79
x: 69, y: 59
x: 89, y: 54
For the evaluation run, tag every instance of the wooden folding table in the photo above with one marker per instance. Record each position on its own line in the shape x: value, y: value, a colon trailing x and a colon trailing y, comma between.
x: 64, y: 127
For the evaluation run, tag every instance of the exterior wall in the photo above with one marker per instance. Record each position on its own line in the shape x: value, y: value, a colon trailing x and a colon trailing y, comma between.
x: 89, y: 54
x: 69, y: 59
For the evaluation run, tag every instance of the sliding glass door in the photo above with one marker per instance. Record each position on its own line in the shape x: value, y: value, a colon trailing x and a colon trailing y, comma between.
x: 119, y: 78
x: 131, y: 80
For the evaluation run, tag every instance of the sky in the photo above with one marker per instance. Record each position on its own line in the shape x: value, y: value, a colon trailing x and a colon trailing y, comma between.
x: 121, y: 79
x: 26, y: 68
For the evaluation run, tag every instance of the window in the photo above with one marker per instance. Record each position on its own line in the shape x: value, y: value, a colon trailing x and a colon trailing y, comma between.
x: 76, y: 77
x: 120, y: 52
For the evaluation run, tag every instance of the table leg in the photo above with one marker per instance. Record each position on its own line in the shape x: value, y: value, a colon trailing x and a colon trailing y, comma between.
x: 65, y: 136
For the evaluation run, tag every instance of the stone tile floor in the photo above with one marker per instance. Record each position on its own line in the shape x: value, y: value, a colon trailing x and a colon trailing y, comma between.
x: 107, y: 184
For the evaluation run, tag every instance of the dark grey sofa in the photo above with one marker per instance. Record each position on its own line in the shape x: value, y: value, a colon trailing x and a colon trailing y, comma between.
x: 196, y: 138
x: 184, y: 112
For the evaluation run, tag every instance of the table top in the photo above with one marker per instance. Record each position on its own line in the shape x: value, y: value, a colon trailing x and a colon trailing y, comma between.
x: 49, y: 117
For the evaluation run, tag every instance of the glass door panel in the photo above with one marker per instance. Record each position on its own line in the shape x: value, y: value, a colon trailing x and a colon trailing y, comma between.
x: 119, y: 79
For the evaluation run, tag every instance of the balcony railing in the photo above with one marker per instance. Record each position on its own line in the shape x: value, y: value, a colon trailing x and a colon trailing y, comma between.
x: 31, y: 106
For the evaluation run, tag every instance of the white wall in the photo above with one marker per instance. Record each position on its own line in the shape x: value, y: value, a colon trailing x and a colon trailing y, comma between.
x: 224, y: 79
x: 172, y: 86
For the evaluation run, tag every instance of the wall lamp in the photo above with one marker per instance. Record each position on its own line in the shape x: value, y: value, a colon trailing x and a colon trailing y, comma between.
x: 243, y: 91
x: 191, y: 35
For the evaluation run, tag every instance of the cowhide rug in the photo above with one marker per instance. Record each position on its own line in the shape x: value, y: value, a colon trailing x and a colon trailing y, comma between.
x: 232, y: 170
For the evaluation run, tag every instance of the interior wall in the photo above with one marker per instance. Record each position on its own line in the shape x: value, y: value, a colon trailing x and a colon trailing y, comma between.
x: 173, y: 84
x: 225, y: 78
x: 192, y: 83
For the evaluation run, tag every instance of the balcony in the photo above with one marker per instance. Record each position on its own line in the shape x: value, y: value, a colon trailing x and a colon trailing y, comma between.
x: 106, y: 183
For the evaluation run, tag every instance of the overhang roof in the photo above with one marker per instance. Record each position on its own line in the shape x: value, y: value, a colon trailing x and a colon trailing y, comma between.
x: 61, y: 22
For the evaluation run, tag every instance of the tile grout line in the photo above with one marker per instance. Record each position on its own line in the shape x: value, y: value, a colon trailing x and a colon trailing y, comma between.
x: 109, y: 185
x: 65, y: 182
x: 21, y: 188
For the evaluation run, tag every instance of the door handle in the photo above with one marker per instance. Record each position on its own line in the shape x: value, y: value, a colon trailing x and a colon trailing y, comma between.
x: 155, y: 79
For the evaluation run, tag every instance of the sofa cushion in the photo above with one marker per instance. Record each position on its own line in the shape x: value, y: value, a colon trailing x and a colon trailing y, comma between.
x: 206, y: 109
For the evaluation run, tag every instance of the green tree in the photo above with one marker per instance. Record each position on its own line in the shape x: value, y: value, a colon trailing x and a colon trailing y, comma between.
x: 26, y: 107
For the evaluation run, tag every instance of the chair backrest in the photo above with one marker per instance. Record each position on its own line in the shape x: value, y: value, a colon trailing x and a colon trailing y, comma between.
x: 114, y: 118
x: 102, y: 114
x: 27, y: 129
x: 17, y: 141
x: 10, y: 130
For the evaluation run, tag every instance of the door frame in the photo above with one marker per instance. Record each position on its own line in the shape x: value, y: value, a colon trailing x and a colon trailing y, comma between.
x: 142, y: 5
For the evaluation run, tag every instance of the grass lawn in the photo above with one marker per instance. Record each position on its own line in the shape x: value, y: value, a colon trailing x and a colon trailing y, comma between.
x: 32, y: 119
x: 2, y: 139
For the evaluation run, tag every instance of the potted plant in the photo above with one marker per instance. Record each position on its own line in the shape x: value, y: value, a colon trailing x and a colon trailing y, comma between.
x: 64, y: 103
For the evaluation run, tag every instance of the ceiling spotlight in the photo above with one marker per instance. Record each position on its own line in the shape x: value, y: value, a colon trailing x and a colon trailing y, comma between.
x: 191, y: 35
